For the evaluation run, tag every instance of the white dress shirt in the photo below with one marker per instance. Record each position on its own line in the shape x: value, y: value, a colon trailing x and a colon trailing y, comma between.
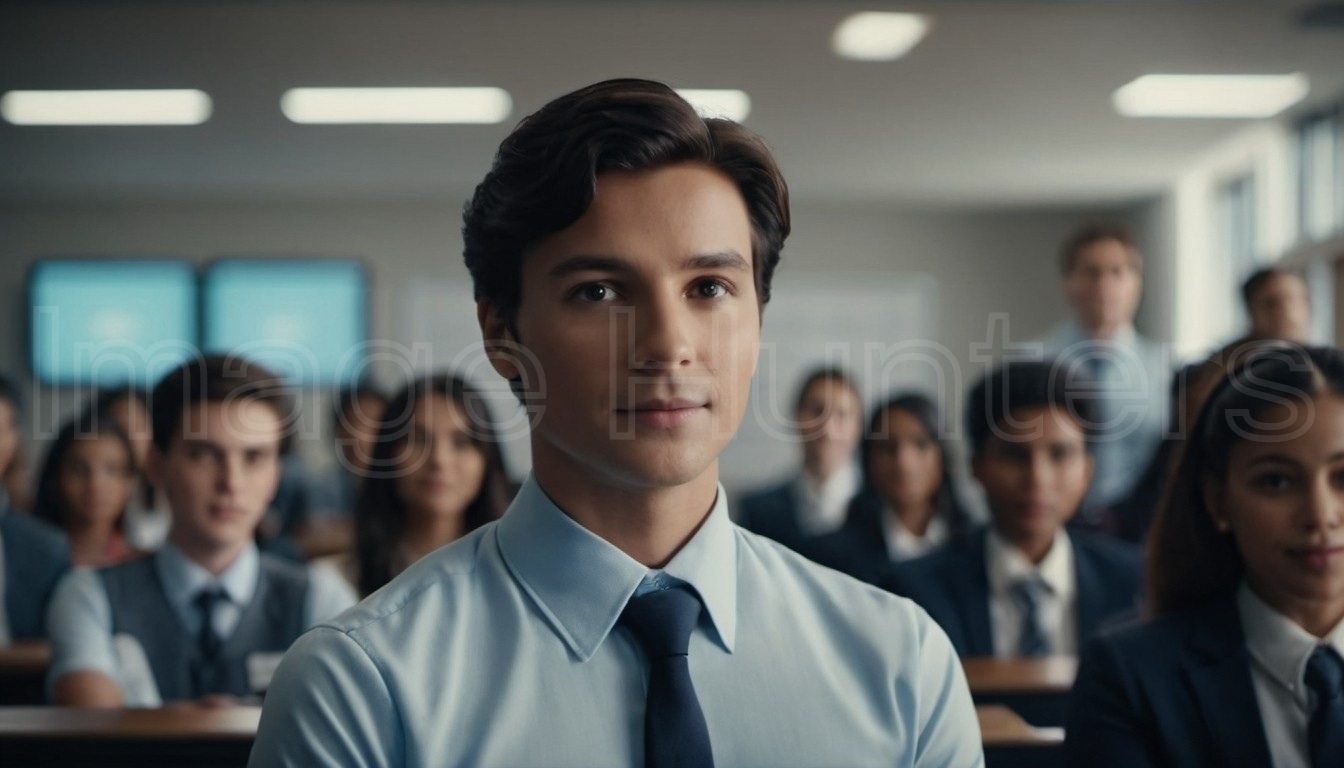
x: 904, y: 545
x: 1058, y: 612
x: 821, y: 510
x: 503, y: 649
x: 1279, y: 651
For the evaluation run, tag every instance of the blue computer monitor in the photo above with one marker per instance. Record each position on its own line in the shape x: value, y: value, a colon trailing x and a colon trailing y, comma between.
x: 109, y: 322
x: 305, y: 319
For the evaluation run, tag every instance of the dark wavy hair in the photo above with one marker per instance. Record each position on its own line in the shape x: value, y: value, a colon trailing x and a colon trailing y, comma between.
x: 867, y: 506
x: 380, y: 515
x: 1020, y: 384
x: 50, y: 502
x: 545, y: 175
x: 1191, y: 562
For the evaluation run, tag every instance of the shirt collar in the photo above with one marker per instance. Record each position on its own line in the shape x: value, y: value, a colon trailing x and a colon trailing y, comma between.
x: 1279, y: 646
x: 1075, y: 335
x: 182, y: 578
x: 904, y: 545
x: 1007, y: 565
x: 581, y: 582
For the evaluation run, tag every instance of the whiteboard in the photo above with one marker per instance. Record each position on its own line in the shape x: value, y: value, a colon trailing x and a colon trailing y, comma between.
x: 879, y: 327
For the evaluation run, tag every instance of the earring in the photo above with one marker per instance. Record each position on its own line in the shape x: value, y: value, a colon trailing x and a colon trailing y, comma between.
x: 1221, y: 525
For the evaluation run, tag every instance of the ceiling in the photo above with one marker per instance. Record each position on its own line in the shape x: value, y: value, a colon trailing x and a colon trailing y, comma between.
x: 1005, y: 103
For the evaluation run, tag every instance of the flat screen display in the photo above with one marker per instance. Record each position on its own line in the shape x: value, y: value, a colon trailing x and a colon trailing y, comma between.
x: 305, y: 319
x: 109, y: 322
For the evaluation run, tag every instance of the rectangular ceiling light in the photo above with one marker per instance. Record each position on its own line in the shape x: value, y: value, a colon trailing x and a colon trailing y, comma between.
x: 110, y: 107
x: 397, y: 105
x: 729, y: 103
x: 1226, y: 96
x: 878, y: 35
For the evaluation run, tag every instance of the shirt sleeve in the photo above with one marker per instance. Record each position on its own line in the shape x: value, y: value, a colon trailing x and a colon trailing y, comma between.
x: 328, y: 595
x: 79, y: 623
x: 948, y: 728
x: 328, y: 705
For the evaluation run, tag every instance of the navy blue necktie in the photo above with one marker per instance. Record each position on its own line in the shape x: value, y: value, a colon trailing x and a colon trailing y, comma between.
x: 1033, y: 641
x: 675, y: 735
x: 1325, y: 732
x: 208, y: 641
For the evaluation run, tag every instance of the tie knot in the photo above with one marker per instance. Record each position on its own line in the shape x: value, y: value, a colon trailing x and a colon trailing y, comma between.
x: 1030, y: 591
x: 208, y: 598
x: 1325, y: 673
x: 662, y: 621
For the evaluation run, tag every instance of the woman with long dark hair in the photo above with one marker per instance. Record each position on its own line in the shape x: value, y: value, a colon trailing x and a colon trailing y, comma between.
x: 436, y: 474
x: 906, y: 504
x: 87, y: 480
x: 1240, y: 657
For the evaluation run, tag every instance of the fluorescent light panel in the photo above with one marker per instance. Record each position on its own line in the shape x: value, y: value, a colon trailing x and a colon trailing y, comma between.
x: 1225, y: 96
x: 109, y: 107
x: 878, y: 35
x: 397, y: 105
x: 729, y: 103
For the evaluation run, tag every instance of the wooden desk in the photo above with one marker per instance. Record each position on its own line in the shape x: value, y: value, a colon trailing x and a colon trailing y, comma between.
x: 23, y: 672
x: 1010, y: 742
x: 127, y: 737
x: 1046, y: 676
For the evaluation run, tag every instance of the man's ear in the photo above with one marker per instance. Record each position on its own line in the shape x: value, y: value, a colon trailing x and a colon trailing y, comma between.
x: 499, y: 340
x: 1091, y: 461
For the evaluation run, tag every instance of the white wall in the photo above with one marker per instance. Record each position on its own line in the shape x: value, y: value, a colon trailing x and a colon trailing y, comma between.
x: 983, y: 262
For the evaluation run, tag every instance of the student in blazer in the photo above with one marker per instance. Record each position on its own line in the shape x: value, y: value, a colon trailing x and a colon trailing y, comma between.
x: 33, y: 558
x: 907, y: 505
x: 813, y: 502
x: 1024, y: 585
x: 1240, y: 664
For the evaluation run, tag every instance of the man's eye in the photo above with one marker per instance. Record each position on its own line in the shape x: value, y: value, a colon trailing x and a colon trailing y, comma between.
x: 712, y: 289
x: 595, y: 292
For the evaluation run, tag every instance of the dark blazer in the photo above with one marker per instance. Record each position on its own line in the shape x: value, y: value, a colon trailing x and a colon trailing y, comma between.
x: 773, y: 513
x: 36, y: 556
x: 1168, y: 693
x: 952, y: 584
x: 859, y: 547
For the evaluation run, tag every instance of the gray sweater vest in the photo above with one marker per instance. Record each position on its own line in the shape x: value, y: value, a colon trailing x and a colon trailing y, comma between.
x: 269, y: 624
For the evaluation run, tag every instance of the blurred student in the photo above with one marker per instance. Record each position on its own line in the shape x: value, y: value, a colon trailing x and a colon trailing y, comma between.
x: 907, y: 504
x: 13, y: 468
x: 622, y: 248
x: 145, y: 525
x: 1024, y: 585
x: 1102, y: 273
x: 435, y: 474
x: 86, y: 482
x: 1239, y: 664
x: 205, y: 618
x: 813, y: 502
x: 1277, y: 305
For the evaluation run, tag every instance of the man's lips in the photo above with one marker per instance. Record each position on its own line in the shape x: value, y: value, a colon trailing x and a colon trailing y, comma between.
x: 1317, y: 556
x: 666, y: 413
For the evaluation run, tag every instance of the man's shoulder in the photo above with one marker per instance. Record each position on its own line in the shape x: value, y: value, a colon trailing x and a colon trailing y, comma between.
x: 1107, y: 551
x: 23, y: 533
x: 806, y: 586
x: 431, y: 590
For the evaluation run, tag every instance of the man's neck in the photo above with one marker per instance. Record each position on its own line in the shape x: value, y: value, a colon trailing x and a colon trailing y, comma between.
x: 1108, y: 332
x: 820, y: 470
x: 214, y: 559
x: 649, y: 524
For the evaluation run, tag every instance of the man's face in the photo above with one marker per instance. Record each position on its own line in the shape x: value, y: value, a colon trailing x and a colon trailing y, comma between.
x: 1104, y: 285
x: 220, y: 474
x: 642, y: 327
x: 1035, y: 472
x: 830, y: 422
x: 1280, y: 310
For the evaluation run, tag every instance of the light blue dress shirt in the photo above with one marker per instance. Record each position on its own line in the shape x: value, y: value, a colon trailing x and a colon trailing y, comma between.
x: 503, y: 649
x: 1133, y: 395
x: 79, y: 619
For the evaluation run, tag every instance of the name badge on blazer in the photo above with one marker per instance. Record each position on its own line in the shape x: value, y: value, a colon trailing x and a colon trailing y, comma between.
x: 260, y: 670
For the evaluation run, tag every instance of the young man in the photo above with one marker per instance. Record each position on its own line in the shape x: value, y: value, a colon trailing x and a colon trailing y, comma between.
x: 1024, y: 586
x: 1277, y: 306
x: 622, y: 249
x: 829, y: 418
x: 205, y: 618
x: 1102, y: 273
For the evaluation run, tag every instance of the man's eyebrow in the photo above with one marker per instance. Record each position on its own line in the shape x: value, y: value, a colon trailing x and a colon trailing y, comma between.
x: 719, y: 260
x: 729, y: 259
